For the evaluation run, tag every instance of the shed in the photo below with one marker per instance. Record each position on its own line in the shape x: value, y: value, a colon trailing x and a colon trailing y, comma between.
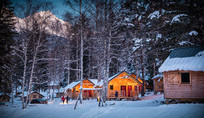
x: 35, y: 95
x: 158, y: 83
x: 183, y: 73
x: 4, y: 98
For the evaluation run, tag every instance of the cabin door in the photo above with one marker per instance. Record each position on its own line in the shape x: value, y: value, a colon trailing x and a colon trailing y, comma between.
x: 135, y: 88
x: 123, y: 91
x: 129, y: 90
x: 88, y: 93
x: 140, y: 88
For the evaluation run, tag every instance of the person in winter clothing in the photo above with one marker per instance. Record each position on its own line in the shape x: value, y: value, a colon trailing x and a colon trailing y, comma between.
x: 116, y: 95
x: 63, y: 99
x: 67, y: 98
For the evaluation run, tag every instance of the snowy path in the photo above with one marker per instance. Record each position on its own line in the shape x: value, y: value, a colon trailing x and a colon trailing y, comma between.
x: 149, y: 107
x: 152, y: 96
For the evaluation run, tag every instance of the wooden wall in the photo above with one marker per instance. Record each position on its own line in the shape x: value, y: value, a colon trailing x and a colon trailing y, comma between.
x: 127, y: 82
x: 158, y: 85
x: 73, y: 93
x: 4, y: 98
x: 38, y: 96
x: 174, y: 89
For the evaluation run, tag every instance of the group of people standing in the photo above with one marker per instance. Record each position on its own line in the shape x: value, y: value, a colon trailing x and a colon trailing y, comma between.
x: 63, y: 99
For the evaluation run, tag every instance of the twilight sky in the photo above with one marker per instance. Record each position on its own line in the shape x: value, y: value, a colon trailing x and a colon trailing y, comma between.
x: 59, y: 10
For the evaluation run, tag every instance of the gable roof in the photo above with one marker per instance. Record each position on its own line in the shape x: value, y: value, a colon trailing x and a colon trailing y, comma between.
x: 137, y: 79
x: 72, y: 84
x: 96, y: 82
x: 185, y: 52
x: 157, y: 76
x: 186, y: 59
x: 75, y: 83
x: 114, y: 76
x: 37, y: 93
x: 128, y: 75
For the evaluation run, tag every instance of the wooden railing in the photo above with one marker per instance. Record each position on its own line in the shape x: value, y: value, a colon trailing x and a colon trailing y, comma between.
x: 123, y: 94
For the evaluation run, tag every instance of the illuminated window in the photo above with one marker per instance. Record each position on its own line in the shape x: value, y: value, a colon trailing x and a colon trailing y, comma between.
x: 185, y: 78
x: 111, y: 87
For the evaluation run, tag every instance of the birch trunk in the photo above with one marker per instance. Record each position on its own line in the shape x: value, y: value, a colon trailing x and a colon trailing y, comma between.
x: 24, y: 75
x: 32, y: 69
x: 81, y: 54
x: 31, y: 78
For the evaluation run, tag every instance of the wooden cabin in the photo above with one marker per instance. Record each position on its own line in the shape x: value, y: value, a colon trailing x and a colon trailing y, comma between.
x: 125, y: 84
x: 4, y: 98
x: 73, y: 89
x: 183, y: 74
x: 35, y: 95
x: 158, y: 83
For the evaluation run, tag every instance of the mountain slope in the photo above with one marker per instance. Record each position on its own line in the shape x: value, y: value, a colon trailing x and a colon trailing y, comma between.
x: 48, y: 22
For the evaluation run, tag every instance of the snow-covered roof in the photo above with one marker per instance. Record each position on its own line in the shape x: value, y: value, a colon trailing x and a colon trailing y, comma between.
x: 96, y: 82
x: 186, y: 59
x: 99, y: 83
x: 110, y: 78
x: 157, y: 76
x: 91, y: 88
x: 71, y: 85
x: 37, y: 93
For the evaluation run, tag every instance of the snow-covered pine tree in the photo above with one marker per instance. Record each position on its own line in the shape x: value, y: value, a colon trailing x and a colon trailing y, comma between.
x: 7, y: 35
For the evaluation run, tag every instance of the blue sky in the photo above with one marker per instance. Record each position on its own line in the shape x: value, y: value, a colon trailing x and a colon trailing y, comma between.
x: 59, y: 10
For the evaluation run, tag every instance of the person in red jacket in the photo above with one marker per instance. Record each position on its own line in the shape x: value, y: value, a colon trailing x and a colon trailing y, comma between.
x: 63, y: 99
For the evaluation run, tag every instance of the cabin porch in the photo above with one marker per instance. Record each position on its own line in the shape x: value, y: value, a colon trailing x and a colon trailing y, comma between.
x: 122, y: 94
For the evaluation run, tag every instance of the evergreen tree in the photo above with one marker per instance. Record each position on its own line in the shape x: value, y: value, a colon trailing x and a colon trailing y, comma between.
x: 6, y: 41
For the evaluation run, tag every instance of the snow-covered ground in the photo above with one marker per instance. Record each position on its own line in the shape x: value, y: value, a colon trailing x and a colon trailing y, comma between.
x: 149, y: 107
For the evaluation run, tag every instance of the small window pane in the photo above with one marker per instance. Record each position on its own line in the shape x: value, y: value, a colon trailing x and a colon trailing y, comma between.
x: 111, y: 87
x: 185, y: 78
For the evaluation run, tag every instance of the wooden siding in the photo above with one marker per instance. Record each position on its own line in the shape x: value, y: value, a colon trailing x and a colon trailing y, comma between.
x: 174, y: 89
x: 126, y: 86
x: 4, y: 98
x: 35, y: 95
x: 158, y: 85
x: 73, y: 93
